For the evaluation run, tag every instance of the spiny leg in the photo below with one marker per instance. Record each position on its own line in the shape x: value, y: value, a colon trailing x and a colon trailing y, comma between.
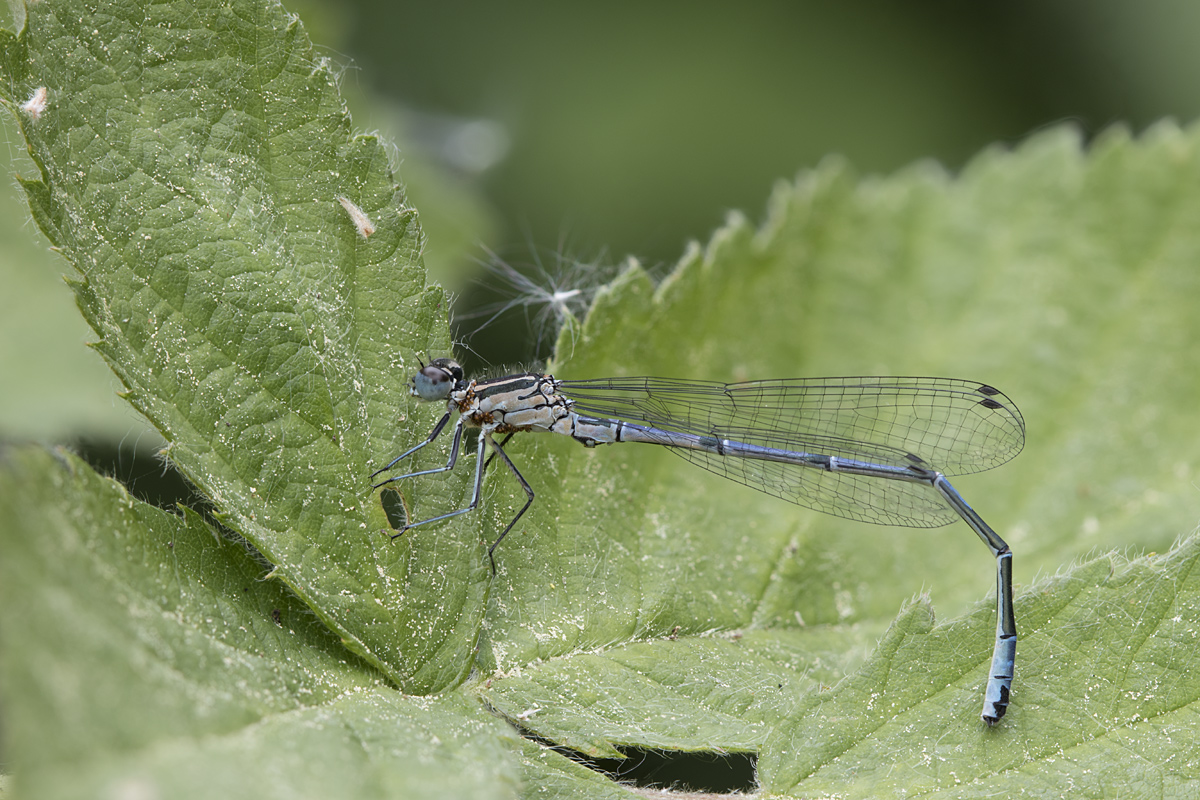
x: 454, y: 445
x: 474, y: 496
x: 524, y: 485
x: 503, y: 442
x: 436, y: 432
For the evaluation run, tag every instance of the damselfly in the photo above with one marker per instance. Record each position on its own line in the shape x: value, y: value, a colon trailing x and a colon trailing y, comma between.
x: 871, y: 449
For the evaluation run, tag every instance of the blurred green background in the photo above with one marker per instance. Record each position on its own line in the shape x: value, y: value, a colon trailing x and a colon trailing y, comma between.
x: 546, y: 131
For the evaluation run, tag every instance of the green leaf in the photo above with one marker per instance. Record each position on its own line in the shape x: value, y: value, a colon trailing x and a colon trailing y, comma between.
x: 553, y: 775
x: 689, y: 694
x: 193, y: 170
x: 153, y: 656
x: 1109, y: 664
x: 191, y: 164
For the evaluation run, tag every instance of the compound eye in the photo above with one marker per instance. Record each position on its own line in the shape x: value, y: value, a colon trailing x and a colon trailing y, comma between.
x: 433, y: 383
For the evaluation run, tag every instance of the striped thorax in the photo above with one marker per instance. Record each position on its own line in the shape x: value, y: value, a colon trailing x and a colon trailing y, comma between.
x: 527, y: 402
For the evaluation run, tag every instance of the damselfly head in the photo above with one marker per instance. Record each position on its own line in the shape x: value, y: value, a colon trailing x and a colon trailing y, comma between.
x: 438, y: 380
